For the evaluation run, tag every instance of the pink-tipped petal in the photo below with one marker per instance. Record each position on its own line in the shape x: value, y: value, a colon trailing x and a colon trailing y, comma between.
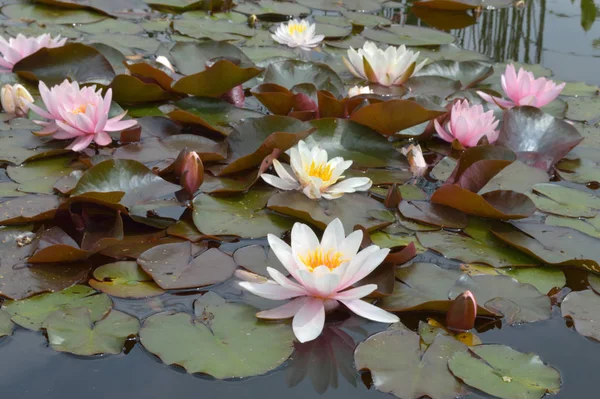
x: 284, y: 311
x: 443, y: 133
x: 81, y: 143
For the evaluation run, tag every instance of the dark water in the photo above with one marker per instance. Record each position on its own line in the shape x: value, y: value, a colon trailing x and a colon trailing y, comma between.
x: 550, y: 32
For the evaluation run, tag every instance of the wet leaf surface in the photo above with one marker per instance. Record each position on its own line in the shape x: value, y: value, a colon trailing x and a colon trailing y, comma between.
x: 124, y: 280
x: 582, y: 307
x: 223, y: 339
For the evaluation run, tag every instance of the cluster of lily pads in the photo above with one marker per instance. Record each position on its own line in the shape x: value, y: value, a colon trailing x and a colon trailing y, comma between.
x: 356, y: 155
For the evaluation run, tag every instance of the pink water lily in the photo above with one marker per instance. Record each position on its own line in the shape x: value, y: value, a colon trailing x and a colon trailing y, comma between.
x: 523, y: 88
x: 78, y: 113
x: 468, y: 124
x: 15, y: 49
x: 323, y: 275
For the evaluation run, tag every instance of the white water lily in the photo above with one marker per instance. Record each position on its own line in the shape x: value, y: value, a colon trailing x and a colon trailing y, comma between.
x: 297, y: 33
x: 312, y: 173
x: 15, y: 99
x: 390, y: 67
x: 324, y: 274
x: 357, y: 90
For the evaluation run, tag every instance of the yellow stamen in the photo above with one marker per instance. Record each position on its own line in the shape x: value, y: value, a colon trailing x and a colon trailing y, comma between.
x: 79, y: 110
x: 323, y: 171
x: 296, y: 28
x: 331, y: 259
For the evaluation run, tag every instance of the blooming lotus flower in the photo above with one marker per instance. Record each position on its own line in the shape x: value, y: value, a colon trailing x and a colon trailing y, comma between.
x: 524, y: 89
x: 468, y: 124
x: 15, y: 49
x: 390, y: 67
x: 358, y: 90
x: 15, y: 99
x: 78, y: 113
x: 324, y: 273
x: 297, y: 33
x: 314, y: 175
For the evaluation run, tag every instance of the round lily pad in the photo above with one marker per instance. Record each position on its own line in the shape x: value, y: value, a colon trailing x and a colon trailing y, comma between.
x: 256, y: 259
x: 124, y: 280
x: 6, y: 324
x: 50, y: 15
x: 74, y: 331
x: 223, y: 339
x: 583, y: 308
x: 503, y: 372
x: 32, y: 313
x: 408, y: 35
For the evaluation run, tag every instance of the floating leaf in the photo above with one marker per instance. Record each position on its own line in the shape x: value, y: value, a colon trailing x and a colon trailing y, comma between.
x: 289, y: 73
x: 408, y: 35
x: 433, y: 214
x: 503, y: 372
x: 183, y: 265
x: 241, y: 215
x: 74, y: 61
x: 224, y: 340
x: 352, y: 209
x: 256, y: 259
x: 48, y: 15
x: 40, y: 176
x: 129, y: 89
x: 6, y: 324
x: 583, y: 109
x: 415, y: 374
x: 124, y: 280
x: 582, y: 307
x: 265, y: 9
x: 32, y: 313
x: 74, y: 330
x: 590, y: 226
x: 29, y: 208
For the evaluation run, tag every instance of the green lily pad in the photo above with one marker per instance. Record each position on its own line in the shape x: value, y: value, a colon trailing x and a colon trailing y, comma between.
x: 355, y: 142
x: 256, y: 259
x: 212, y: 29
x: 180, y: 6
x: 211, y: 113
x: 432, y: 214
x: 289, y: 73
x: 415, y: 374
x: 40, y: 176
x: 518, y: 303
x: 387, y: 240
x: 333, y: 5
x: 443, y: 169
x: 594, y: 281
x: 543, y: 278
x: 332, y: 31
x: 129, y: 89
x: 583, y: 109
x: 267, y: 7
x: 254, y: 139
x: 352, y: 209
x: 121, y: 181
x: 468, y: 73
x: 191, y: 58
x: 111, y: 26
x: 241, y: 215
x: 18, y: 145
x: 124, y: 280
x: 6, y: 324
x: 553, y: 245
x: 518, y: 177
x: 75, y: 61
x: 590, y: 226
x: 365, y: 19
x: 75, y: 331
x: 224, y: 340
x: 32, y: 313
x: 582, y: 307
x: 568, y: 196
x: 43, y: 14
x: 408, y: 35
x: 503, y: 372
x: 184, y: 265
x: 481, y: 247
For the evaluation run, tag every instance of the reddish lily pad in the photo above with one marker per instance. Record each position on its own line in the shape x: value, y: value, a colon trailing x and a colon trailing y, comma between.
x: 185, y: 265
x: 129, y: 89
x: 433, y: 214
x: 29, y: 208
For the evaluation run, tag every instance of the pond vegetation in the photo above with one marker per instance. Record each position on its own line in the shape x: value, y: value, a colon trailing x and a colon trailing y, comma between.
x: 284, y: 191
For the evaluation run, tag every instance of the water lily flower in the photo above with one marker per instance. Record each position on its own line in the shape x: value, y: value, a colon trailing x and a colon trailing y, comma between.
x: 324, y: 273
x: 161, y: 59
x: 314, y: 175
x: 523, y: 88
x: 297, y: 33
x: 190, y: 170
x: 357, y: 90
x: 15, y: 49
x: 468, y: 124
x: 78, y: 113
x: 15, y: 99
x: 390, y: 67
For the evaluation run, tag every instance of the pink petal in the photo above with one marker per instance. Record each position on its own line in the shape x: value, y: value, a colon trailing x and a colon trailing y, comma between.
x: 443, y: 133
x: 370, y: 312
x: 309, y: 320
x: 41, y: 112
x: 102, y: 138
x: 285, y: 311
x: 72, y: 130
x: 81, y: 143
x: 115, y: 124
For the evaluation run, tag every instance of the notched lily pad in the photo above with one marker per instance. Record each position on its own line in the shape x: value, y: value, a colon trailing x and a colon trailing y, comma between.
x: 124, y: 280
x: 223, y: 339
x: 583, y: 308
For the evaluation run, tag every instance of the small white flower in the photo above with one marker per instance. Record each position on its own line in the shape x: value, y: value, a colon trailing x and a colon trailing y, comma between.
x: 15, y: 99
x: 390, y: 67
x: 297, y: 33
x: 357, y: 90
x: 314, y: 175
x: 161, y: 59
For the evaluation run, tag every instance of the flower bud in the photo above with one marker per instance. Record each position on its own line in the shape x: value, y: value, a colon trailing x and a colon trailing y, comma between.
x: 462, y: 313
x: 190, y: 170
x: 15, y: 99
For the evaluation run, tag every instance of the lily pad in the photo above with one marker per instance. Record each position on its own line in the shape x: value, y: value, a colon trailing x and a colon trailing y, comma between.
x: 352, y: 209
x: 74, y: 61
x: 129, y: 89
x: 590, y: 226
x: 6, y: 324
x: 29, y: 208
x: 433, y: 214
x: 468, y: 73
x: 43, y: 14
x: 265, y: 8
x: 289, y: 73
x: 75, y: 331
x: 224, y: 340
x: 415, y: 374
x: 543, y: 278
x: 503, y: 372
x: 32, y: 313
x: 582, y: 307
x: 184, y: 265
x: 124, y: 280
x: 408, y: 35
x: 583, y: 109
x: 256, y: 259
x: 40, y: 176
x: 241, y: 215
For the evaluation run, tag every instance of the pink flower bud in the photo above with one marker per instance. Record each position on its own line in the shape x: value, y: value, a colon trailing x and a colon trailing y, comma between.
x: 462, y: 312
x: 190, y: 170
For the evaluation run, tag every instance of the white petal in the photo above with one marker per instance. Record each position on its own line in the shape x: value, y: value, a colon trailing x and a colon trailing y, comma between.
x: 279, y: 183
x: 270, y: 290
x: 284, y: 311
x: 355, y: 293
x: 309, y: 320
x: 285, y: 282
x: 370, y: 264
x: 370, y: 312
x: 333, y: 235
x: 351, y: 244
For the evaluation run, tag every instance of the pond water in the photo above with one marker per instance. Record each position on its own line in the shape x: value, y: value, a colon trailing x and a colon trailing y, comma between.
x: 559, y: 34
